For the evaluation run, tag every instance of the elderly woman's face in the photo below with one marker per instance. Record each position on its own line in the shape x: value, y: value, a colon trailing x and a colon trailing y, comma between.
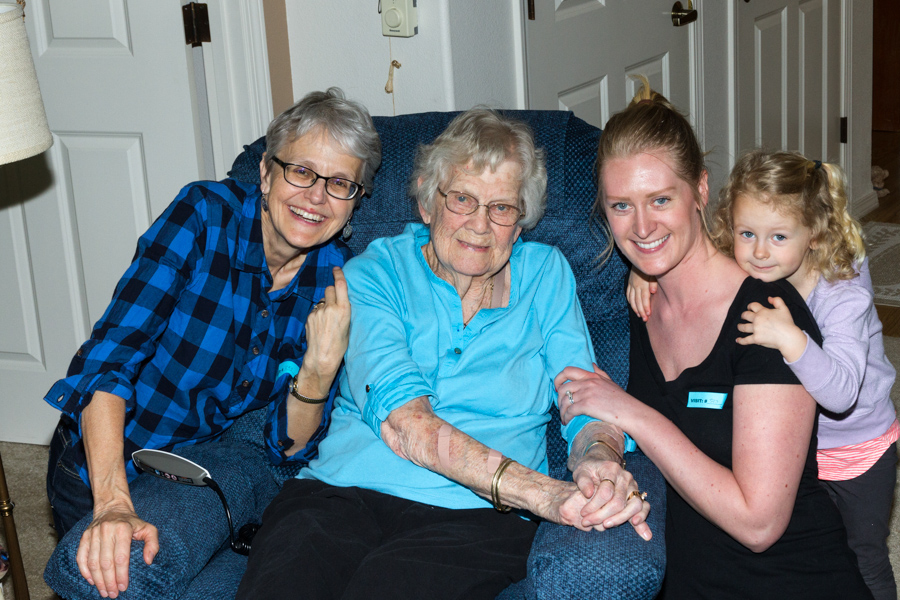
x: 653, y: 214
x: 300, y: 218
x: 473, y: 245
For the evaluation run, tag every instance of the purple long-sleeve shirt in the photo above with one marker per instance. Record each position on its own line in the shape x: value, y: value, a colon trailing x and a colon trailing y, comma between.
x: 849, y: 376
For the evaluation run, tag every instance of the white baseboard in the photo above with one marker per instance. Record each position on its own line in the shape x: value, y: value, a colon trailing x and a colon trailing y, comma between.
x: 861, y: 206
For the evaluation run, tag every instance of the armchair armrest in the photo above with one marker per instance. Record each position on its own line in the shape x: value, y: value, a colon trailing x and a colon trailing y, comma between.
x: 613, y: 564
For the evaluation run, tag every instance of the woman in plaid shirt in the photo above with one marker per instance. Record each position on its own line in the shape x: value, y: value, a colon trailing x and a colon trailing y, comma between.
x: 235, y: 301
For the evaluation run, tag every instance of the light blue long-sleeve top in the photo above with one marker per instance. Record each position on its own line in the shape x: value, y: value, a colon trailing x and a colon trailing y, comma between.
x: 492, y: 379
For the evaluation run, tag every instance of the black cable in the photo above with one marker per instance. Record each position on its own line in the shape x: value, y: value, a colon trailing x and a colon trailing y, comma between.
x: 215, y: 487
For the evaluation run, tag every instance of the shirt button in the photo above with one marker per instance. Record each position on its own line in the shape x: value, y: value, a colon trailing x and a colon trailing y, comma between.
x: 256, y: 350
x: 280, y: 444
x: 61, y: 396
x: 367, y: 389
x: 245, y: 384
x: 80, y: 352
x: 457, y: 350
x: 264, y: 313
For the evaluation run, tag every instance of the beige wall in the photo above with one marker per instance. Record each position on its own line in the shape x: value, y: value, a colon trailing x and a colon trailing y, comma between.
x: 279, y: 51
x: 463, y: 55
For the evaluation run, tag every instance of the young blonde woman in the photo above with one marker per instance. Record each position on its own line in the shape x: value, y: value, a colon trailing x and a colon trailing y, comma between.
x: 729, y: 425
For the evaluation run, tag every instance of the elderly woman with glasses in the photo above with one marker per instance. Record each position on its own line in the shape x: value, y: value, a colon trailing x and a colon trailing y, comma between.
x: 228, y: 307
x: 458, y: 329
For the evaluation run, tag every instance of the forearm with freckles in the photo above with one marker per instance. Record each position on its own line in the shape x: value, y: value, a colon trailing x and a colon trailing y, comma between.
x: 753, y: 501
x: 597, y: 431
x: 103, y: 434
x: 416, y: 428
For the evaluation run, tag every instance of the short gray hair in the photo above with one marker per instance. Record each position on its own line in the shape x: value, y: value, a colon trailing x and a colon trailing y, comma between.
x: 485, y: 139
x: 347, y: 123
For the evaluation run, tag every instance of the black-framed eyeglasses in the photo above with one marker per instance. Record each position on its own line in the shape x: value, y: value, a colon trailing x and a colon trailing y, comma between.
x: 466, y: 204
x: 304, y: 177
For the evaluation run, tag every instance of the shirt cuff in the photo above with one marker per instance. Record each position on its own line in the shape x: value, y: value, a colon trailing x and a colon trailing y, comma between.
x: 276, y: 430
x: 381, y: 400
x: 72, y: 394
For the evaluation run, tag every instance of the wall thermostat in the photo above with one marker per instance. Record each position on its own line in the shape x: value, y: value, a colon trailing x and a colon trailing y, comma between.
x: 398, y: 18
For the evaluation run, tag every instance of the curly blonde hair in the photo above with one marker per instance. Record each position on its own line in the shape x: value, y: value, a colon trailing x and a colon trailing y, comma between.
x: 650, y: 123
x: 811, y: 191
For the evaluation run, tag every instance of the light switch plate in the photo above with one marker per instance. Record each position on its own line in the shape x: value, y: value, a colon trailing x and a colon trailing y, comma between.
x: 398, y: 18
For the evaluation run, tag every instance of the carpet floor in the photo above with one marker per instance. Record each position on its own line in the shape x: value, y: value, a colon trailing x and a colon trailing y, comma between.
x: 26, y: 468
x: 883, y: 249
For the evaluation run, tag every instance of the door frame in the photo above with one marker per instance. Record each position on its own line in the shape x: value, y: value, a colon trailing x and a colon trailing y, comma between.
x: 236, y: 70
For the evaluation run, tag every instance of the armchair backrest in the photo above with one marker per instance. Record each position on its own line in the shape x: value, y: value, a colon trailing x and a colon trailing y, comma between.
x: 571, y: 146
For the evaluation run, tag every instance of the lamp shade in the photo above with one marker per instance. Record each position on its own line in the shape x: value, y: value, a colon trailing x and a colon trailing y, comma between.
x: 23, y: 122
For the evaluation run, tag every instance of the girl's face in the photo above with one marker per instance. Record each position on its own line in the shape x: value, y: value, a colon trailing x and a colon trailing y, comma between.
x: 770, y: 245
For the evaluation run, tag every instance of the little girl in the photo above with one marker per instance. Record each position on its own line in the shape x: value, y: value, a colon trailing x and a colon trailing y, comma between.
x: 783, y: 216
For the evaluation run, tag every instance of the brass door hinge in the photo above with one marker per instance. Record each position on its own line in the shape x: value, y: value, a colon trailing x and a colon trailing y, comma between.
x: 196, y: 24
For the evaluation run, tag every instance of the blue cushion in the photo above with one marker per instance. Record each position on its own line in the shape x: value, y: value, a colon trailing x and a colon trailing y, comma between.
x: 564, y: 562
x: 191, y: 523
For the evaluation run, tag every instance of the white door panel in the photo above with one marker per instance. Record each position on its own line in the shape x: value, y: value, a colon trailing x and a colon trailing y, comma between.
x: 579, y: 54
x: 789, y: 76
x: 117, y: 86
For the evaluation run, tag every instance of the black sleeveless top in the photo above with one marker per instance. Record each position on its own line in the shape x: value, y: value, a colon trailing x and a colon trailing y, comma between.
x: 812, y: 559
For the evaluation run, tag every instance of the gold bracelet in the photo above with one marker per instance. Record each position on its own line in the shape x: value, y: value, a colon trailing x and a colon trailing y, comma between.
x: 302, y: 398
x: 616, y: 452
x: 495, y: 486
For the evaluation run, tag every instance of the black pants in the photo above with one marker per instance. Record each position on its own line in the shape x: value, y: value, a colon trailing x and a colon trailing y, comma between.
x: 865, y: 506
x: 320, y: 541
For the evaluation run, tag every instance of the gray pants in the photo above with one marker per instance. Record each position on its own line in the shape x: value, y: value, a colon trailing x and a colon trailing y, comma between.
x: 865, y: 505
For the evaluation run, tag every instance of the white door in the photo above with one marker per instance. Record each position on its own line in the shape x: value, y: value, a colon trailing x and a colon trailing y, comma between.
x: 789, y: 76
x: 579, y: 54
x: 116, y: 80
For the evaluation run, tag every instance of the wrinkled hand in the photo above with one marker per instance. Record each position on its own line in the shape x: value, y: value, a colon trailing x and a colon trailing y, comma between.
x: 597, y: 500
x: 604, y: 483
x: 639, y: 291
x: 607, y: 485
x: 565, y: 505
x: 328, y: 330
x: 105, y: 548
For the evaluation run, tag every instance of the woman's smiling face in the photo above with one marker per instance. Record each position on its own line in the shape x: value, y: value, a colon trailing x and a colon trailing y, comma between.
x: 473, y: 245
x: 299, y: 219
x: 653, y: 214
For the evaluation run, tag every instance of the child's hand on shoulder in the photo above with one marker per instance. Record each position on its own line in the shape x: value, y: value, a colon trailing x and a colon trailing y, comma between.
x: 640, y: 289
x: 773, y: 328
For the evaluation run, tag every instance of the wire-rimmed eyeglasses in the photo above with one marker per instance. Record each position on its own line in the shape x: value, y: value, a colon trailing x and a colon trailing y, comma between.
x: 304, y: 177
x: 466, y: 204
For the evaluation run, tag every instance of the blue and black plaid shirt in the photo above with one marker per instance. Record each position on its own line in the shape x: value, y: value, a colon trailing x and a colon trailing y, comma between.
x: 193, y: 338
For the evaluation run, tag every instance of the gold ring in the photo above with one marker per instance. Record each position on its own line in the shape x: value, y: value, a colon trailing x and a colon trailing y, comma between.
x: 609, y: 480
x: 639, y: 494
x: 318, y: 305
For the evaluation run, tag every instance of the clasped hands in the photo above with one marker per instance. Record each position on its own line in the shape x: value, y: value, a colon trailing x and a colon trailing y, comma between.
x: 608, y: 494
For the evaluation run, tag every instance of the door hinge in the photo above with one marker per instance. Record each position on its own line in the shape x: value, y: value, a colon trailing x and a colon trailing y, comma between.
x: 843, y: 130
x: 196, y: 24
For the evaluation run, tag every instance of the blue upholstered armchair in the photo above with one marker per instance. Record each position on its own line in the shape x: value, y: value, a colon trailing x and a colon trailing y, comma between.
x: 564, y: 562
